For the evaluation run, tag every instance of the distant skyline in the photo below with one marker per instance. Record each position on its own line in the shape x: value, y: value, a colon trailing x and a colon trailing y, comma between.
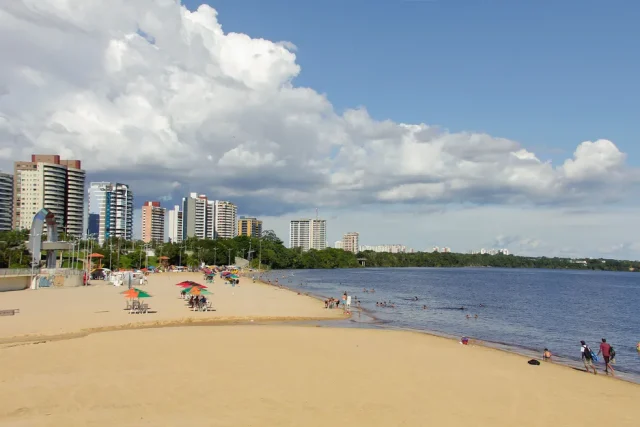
x: 441, y: 123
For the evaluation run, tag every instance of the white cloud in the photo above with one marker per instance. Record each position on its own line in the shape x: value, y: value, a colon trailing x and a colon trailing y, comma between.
x: 150, y: 93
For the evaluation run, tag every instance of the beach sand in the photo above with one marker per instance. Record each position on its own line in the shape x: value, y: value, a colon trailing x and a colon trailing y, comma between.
x: 284, y: 375
x: 64, y: 311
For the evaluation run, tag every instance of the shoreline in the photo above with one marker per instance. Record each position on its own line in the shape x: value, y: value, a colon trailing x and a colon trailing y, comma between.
x: 509, y: 348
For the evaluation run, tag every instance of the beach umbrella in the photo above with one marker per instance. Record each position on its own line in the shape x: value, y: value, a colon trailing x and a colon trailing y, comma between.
x: 143, y: 294
x: 197, y: 291
x: 135, y: 293
x: 226, y: 273
x: 185, y: 283
x: 234, y: 276
x: 130, y: 293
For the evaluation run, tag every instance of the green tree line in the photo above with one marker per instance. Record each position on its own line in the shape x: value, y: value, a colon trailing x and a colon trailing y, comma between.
x: 270, y: 252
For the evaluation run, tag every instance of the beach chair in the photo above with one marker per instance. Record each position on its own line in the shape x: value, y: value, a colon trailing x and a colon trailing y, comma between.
x: 209, y: 306
x: 134, y: 307
x: 144, y: 308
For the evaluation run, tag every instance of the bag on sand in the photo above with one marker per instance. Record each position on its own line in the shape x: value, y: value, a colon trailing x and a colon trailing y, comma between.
x: 533, y: 362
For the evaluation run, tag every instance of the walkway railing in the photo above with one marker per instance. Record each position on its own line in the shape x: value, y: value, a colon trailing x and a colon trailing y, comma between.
x: 15, y: 271
x: 27, y: 271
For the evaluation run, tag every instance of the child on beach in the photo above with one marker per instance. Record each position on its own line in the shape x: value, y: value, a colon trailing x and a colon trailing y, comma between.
x: 546, y: 355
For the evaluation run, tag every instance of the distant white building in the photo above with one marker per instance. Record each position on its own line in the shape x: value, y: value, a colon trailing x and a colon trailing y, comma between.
x: 224, y: 220
x: 308, y: 234
x: 175, y: 224
x: 338, y: 244
x: 111, y: 203
x: 394, y: 249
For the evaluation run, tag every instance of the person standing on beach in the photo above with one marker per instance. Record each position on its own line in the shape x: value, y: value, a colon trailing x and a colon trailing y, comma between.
x: 587, y: 358
x: 605, y: 349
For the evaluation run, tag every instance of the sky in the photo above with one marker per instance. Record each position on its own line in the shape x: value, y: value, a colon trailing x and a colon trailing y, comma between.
x: 464, y: 124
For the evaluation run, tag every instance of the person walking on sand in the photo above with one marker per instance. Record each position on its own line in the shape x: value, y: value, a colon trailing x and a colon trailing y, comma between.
x: 606, y: 350
x: 587, y: 357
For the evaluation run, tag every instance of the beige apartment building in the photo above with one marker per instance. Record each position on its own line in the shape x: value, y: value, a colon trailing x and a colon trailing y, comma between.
x: 350, y: 242
x: 249, y: 227
x: 51, y: 183
x: 153, y: 222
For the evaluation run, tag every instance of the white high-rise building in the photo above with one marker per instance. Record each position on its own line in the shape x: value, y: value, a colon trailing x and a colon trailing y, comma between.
x: 195, y: 210
x: 112, y: 203
x: 308, y: 234
x: 175, y: 225
x: 48, y: 182
x: 224, y: 222
x: 350, y: 242
x: 6, y: 201
x: 338, y: 244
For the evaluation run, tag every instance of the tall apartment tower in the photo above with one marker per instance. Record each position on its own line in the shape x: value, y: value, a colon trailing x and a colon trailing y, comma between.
x: 224, y: 224
x: 51, y: 183
x: 350, y: 242
x: 112, y: 202
x: 308, y: 234
x: 6, y: 201
x: 153, y: 222
x: 194, y: 216
x: 249, y: 227
x: 175, y: 225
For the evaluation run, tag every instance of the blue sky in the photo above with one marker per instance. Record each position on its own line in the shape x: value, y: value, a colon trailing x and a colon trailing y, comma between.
x: 548, y: 74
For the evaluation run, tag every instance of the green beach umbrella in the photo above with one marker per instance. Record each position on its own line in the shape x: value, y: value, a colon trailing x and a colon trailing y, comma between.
x: 143, y: 294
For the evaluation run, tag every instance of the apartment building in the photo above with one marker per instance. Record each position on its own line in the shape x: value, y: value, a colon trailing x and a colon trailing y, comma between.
x: 350, y: 242
x: 249, y: 227
x: 6, y: 201
x: 113, y: 203
x: 337, y: 244
x: 308, y: 234
x: 153, y: 222
x: 194, y: 216
x: 175, y: 225
x: 51, y: 183
x: 223, y: 222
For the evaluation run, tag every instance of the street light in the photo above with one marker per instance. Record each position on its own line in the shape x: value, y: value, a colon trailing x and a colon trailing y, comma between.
x: 229, y: 256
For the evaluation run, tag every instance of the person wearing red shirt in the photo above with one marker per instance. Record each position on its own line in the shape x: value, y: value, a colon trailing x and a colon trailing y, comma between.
x: 605, y: 349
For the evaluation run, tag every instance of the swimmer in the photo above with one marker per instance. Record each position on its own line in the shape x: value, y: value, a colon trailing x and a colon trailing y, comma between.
x: 424, y: 307
x: 476, y: 316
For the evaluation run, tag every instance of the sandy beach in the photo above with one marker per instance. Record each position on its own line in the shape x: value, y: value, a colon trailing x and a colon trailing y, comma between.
x: 50, y: 312
x: 273, y: 375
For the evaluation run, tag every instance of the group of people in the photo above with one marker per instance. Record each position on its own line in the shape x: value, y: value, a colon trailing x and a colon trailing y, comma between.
x: 589, y: 357
x: 197, y: 302
x: 388, y: 304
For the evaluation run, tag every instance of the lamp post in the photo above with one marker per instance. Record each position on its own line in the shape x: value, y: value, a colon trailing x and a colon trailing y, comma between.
x: 260, y: 260
x: 229, y: 250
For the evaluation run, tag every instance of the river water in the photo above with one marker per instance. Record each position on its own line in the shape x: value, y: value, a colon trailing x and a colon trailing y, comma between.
x: 519, y: 310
